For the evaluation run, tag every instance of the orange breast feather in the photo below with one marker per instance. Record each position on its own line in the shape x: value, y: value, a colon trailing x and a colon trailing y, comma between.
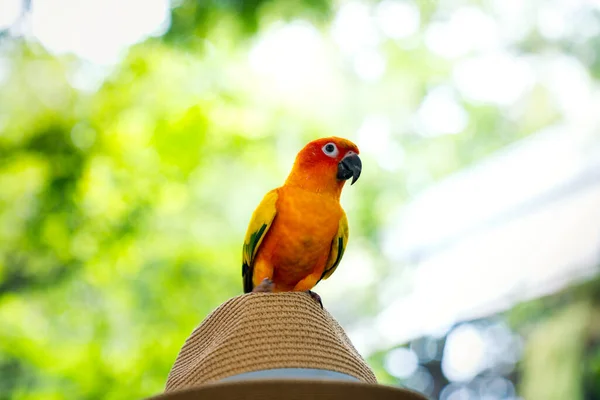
x: 296, y: 248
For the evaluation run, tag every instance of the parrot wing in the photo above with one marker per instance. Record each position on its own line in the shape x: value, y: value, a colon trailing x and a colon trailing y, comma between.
x: 338, y: 246
x: 261, y: 221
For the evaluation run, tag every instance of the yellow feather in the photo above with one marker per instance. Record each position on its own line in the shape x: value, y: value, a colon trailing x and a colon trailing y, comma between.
x: 261, y: 221
x: 338, y: 246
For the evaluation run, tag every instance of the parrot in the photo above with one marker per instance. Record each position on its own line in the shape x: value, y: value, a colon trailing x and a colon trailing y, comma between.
x: 298, y: 233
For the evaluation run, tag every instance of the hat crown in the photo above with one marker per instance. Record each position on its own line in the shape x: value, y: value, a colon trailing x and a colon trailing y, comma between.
x: 267, y: 332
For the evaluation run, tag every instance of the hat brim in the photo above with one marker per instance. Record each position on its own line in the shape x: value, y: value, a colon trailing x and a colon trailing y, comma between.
x: 291, y: 389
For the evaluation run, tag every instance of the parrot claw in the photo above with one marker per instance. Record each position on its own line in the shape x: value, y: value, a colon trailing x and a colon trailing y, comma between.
x: 316, y: 297
x: 266, y: 286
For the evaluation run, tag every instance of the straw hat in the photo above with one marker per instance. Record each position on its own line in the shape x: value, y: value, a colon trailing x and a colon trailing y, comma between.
x: 273, y: 346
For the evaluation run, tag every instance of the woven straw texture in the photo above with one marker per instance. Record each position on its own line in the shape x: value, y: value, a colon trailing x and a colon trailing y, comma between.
x: 259, y: 331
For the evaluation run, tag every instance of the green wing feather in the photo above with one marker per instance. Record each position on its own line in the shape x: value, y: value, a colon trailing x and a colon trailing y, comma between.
x: 338, y: 246
x: 261, y: 221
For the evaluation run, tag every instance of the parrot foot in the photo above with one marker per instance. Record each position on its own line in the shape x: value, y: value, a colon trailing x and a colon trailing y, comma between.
x: 316, y: 297
x: 266, y: 286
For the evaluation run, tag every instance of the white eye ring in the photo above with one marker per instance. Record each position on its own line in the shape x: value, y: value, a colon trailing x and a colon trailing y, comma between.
x: 330, y: 150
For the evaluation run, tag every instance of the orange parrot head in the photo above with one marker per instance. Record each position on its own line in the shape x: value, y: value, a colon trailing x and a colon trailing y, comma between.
x: 324, y: 165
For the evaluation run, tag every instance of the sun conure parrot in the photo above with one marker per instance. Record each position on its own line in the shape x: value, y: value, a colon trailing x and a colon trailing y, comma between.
x: 298, y: 232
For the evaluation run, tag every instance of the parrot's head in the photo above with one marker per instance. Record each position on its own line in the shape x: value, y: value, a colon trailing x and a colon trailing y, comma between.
x: 325, y: 164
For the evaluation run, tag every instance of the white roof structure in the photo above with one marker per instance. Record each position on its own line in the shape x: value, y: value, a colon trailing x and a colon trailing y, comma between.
x: 522, y: 224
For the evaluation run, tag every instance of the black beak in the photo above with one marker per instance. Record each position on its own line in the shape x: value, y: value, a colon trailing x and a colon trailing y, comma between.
x: 349, y: 167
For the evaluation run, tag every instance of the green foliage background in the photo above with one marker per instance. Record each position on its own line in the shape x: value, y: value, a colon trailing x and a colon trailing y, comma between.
x: 123, y: 207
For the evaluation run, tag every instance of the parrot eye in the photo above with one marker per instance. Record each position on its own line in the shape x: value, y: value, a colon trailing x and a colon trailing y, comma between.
x: 330, y: 150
